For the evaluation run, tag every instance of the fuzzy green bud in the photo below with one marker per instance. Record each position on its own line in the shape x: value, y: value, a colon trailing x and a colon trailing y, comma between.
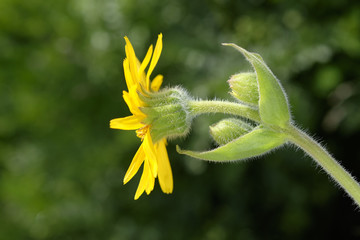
x: 167, y: 113
x: 245, y: 88
x: 262, y: 92
x: 229, y: 129
x: 273, y: 105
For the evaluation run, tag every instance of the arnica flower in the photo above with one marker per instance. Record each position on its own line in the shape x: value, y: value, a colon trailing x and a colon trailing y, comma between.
x: 152, y: 153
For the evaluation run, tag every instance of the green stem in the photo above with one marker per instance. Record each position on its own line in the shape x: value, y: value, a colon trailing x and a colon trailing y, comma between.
x: 201, y: 107
x: 326, y: 161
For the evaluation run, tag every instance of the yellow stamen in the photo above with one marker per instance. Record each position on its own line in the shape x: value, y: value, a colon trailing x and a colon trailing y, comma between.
x: 141, y: 132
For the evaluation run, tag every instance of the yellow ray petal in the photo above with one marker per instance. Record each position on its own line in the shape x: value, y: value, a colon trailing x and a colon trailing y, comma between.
x: 128, y: 78
x: 135, y: 164
x: 126, y: 123
x: 164, y: 170
x: 130, y: 102
x: 143, y: 181
x: 144, y: 64
x: 155, y: 58
x: 156, y: 83
x: 133, y: 104
x: 134, y: 92
x: 130, y: 54
x: 150, y: 154
x: 133, y: 97
x: 150, y: 181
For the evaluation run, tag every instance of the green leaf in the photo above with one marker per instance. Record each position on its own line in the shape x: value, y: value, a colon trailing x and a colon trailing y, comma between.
x: 273, y: 105
x: 254, y: 143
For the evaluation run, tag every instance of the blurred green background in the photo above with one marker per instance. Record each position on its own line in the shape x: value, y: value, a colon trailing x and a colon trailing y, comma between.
x: 61, y: 81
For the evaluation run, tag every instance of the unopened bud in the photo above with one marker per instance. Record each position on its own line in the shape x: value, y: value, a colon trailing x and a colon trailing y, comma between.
x: 229, y: 129
x: 244, y: 87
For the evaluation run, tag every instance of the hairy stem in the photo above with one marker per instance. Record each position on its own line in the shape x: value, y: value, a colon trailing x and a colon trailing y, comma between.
x: 326, y: 161
x: 201, y: 107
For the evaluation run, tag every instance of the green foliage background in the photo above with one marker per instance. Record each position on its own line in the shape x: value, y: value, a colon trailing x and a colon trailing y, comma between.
x: 61, y: 81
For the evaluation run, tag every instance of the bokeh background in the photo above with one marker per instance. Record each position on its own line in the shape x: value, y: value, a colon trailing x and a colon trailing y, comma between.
x: 61, y: 81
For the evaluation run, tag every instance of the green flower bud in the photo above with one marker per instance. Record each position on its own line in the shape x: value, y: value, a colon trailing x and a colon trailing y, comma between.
x: 273, y: 104
x: 245, y: 88
x: 260, y: 89
x: 167, y: 113
x: 229, y: 129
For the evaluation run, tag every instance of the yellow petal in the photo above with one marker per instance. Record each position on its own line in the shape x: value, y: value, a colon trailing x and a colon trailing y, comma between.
x: 143, y: 182
x: 128, y: 78
x: 155, y: 59
x: 150, y: 154
x: 143, y: 65
x: 130, y: 53
x: 150, y: 181
x: 126, y: 123
x: 147, y: 181
x: 130, y: 102
x: 164, y: 170
x: 135, y: 164
x: 156, y: 83
x: 133, y: 92
x: 133, y: 103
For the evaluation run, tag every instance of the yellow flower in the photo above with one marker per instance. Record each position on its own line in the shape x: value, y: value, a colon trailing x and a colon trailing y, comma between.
x: 152, y: 155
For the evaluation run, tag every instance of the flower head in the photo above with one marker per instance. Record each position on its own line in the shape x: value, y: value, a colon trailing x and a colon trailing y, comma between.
x: 151, y: 154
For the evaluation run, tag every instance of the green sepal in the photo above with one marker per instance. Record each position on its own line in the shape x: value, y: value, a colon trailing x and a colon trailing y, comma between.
x: 273, y: 105
x: 164, y: 97
x: 166, y: 112
x: 252, y: 144
x: 170, y: 124
x: 153, y: 113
